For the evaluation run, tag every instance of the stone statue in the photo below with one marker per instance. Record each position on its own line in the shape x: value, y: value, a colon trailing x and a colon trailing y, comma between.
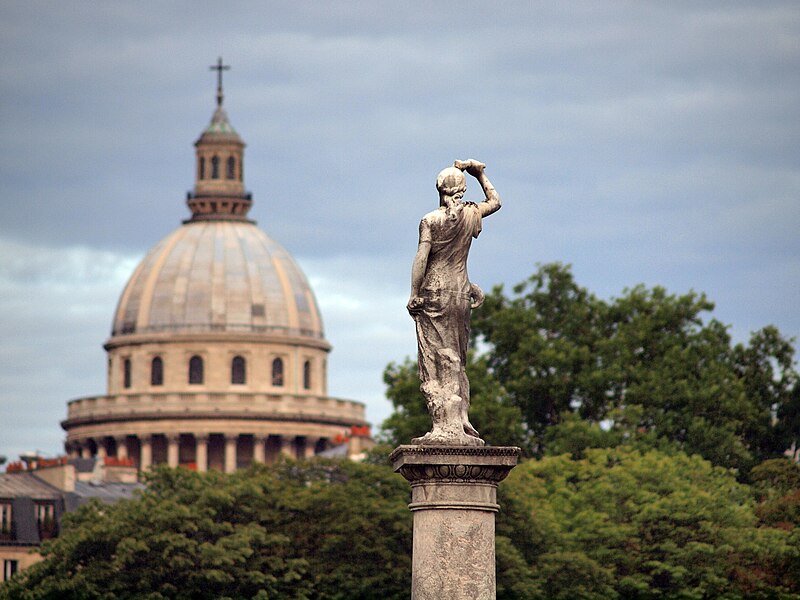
x: 441, y: 300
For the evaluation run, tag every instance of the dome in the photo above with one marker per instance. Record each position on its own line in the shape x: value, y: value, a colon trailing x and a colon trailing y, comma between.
x: 218, y: 276
x: 217, y: 356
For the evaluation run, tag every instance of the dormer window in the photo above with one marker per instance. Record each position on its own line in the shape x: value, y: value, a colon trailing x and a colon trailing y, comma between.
x: 215, y: 167
x: 5, y: 520
x: 46, y: 520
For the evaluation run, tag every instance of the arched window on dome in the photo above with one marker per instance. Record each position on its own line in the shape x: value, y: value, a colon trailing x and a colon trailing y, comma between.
x: 196, y: 370
x: 277, y: 372
x: 201, y: 168
x: 238, y: 370
x: 307, y: 375
x: 230, y: 171
x: 157, y: 371
x: 126, y: 373
x: 215, y: 167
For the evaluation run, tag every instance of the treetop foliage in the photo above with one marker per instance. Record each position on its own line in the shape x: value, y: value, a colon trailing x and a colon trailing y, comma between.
x: 648, y: 367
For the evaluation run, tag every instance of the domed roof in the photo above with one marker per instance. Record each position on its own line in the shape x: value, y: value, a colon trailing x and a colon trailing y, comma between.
x: 219, y: 130
x: 218, y: 276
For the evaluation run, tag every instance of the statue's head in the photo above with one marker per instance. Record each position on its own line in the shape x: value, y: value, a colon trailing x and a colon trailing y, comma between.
x: 451, y: 182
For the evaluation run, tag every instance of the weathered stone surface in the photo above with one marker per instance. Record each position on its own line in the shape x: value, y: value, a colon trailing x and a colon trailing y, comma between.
x: 441, y: 300
x: 454, y: 501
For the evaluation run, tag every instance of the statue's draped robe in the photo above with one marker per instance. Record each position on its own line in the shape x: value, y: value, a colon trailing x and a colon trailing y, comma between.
x: 443, y: 322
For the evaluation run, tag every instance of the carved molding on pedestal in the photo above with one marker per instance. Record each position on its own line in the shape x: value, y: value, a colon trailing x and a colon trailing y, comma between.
x: 454, y: 464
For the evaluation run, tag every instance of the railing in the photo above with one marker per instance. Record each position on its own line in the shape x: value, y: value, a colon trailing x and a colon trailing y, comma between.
x: 214, y: 405
x: 130, y: 328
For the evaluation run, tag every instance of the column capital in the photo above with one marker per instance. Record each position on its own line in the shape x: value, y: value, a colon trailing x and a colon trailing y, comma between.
x: 454, y: 464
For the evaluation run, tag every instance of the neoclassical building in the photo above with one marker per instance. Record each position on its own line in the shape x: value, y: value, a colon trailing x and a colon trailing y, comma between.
x: 217, y: 355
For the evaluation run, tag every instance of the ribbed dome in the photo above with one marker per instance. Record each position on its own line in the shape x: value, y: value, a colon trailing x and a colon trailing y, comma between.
x: 218, y: 276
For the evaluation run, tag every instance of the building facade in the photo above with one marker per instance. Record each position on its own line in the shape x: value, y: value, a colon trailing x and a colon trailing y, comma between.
x: 217, y: 356
x: 34, y: 497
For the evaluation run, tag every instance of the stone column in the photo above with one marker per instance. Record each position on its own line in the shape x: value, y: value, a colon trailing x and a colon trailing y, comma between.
x: 201, y: 453
x: 172, y: 450
x: 454, y: 501
x: 146, y: 453
x: 101, y: 449
x: 287, y: 449
x: 230, y: 453
x: 122, y: 447
x: 311, y: 442
x: 259, y: 455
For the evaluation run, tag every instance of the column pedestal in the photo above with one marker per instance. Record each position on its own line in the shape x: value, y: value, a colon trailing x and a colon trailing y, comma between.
x: 454, y: 501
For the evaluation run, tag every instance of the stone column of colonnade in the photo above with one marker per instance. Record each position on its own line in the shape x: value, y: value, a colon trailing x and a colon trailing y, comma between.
x: 122, y: 447
x: 287, y: 446
x: 201, y: 453
x: 259, y: 449
x: 173, y: 441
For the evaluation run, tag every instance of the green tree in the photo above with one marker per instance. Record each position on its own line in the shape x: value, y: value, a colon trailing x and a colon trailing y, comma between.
x: 776, y: 487
x: 187, y: 536
x: 621, y: 523
x: 650, y: 365
x: 317, y: 529
x: 351, y: 523
x: 498, y: 421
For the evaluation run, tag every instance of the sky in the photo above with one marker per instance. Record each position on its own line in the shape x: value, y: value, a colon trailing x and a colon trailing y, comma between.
x: 639, y: 142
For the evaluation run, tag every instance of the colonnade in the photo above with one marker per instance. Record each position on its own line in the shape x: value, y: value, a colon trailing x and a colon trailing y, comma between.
x: 201, y: 452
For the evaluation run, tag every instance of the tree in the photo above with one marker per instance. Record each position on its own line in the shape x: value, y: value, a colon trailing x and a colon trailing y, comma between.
x: 351, y: 523
x: 497, y: 420
x: 318, y: 529
x: 649, y: 364
x: 776, y: 487
x: 187, y: 536
x: 622, y: 523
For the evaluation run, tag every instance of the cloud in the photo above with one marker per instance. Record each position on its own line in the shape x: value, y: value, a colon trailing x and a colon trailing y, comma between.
x: 641, y: 142
x: 56, y: 305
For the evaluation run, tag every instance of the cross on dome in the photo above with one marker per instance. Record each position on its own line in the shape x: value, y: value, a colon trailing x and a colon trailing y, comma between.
x: 219, y: 68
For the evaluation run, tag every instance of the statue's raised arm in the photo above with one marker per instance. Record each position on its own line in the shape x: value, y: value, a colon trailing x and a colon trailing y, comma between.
x: 491, y: 202
x: 441, y: 300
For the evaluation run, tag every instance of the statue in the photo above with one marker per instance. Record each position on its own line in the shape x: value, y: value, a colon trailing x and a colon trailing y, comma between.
x: 441, y: 300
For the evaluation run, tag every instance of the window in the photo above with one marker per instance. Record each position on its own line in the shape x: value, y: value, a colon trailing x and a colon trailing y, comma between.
x: 307, y: 375
x: 277, y: 372
x: 238, y: 374
x: 215, y: 167
x: 5, y: 518
x: 46, y: 520
x: 201, y: 168
x: 10, y: 568
x: 126, y: 373
x: 196, y: 370
x: 230, y: 172
x: 157, y: 371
